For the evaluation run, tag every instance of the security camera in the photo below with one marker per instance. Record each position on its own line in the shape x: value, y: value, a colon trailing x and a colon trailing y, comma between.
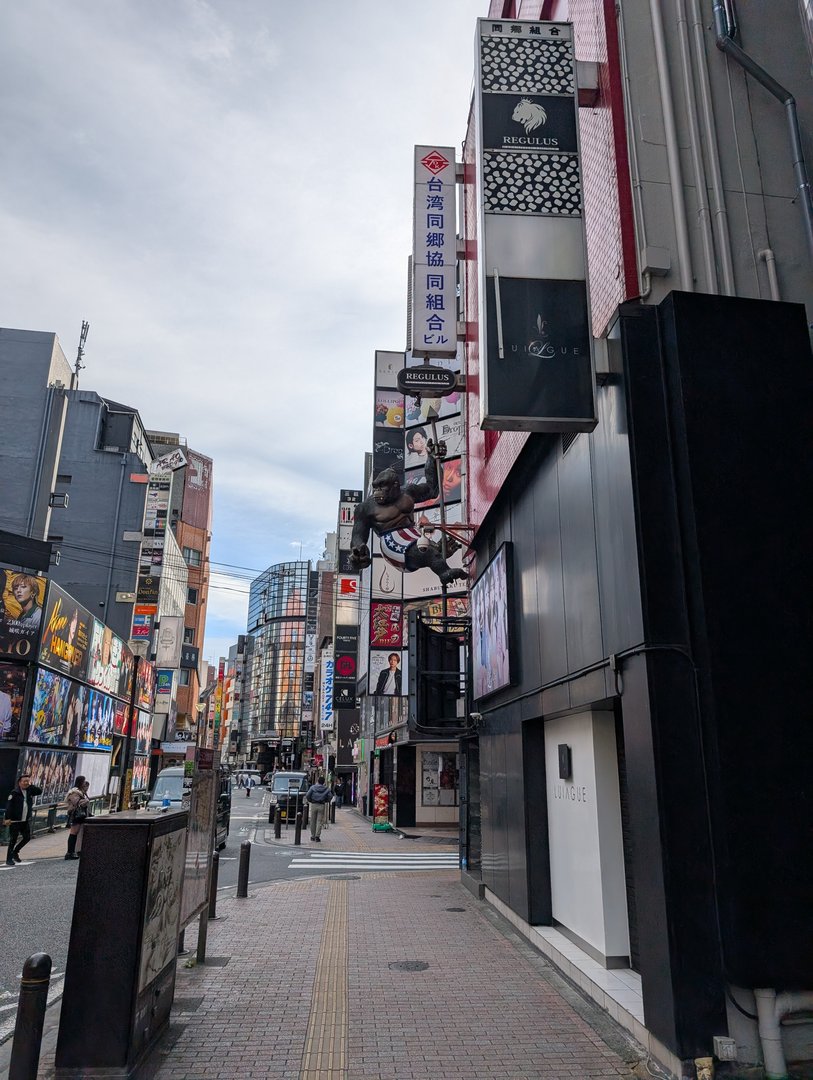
x: 476, y: 717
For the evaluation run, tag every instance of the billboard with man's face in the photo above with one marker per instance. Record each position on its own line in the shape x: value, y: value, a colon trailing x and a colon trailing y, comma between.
x: 66, y: 634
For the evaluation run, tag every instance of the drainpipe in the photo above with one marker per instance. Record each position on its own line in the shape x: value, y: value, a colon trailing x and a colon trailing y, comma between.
x: 672, y: 149
x: 771, y: 1010
x: 769, y: 259
x: 727, y: 45
x: 698, y: 170
x: 712, y: 152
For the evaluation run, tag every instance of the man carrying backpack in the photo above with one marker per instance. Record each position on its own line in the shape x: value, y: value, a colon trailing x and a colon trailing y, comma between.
x: 318, y: 795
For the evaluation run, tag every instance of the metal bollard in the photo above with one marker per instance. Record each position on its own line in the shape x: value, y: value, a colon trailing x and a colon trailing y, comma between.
x: 298, y: 829
x: 213, y: 885
x: 306, y: 813
x: 242, y: 873
x: 277, y: 824
x: 332, y: 813
x: 25, y: 1051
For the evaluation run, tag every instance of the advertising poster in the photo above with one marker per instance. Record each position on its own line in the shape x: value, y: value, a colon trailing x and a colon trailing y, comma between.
x: 163, y: 683
x: 386, y: 625
x: 141, y: 773
x: 66, y: 634
x: 450, y: 432
x: 120, y: 714
x: 381, y: 804
x: 387, y: 366
x: 197, y: 492
x: 145, y: 685
x: 388, y: 451
x: 389, y: 409
x: 51, y: 770
x: 58, y: 710
x: 96, y: 732
x: 202, y: 806
x: 143, y: 733
x: 21, y: 604
x: 490, y: 623
x: 388, y: 675
x: 96, y: 770
x: 452, y: 482
x: 170, y: 639
x: 12, y: 691
x: 111, y: 662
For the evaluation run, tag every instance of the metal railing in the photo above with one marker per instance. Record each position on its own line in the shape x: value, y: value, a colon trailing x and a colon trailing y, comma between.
x: 49, y: 817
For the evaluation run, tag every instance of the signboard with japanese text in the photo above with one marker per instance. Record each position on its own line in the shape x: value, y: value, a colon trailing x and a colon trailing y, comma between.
x: 345, y: 667
x: 386, y: 625
x: 434, y: 254
x: 67, y: 627
x: 326, y: 718
x: 535, y: 343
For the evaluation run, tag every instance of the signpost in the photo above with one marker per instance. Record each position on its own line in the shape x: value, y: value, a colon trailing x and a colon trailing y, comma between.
x: 427, y: 379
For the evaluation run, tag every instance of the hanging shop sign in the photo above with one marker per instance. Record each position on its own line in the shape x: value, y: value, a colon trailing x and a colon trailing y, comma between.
x: 536, y: 366
x: 434, y: 253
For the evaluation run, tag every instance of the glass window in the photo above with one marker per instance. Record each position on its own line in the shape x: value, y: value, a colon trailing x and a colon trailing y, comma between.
x: 189, y: 635
x: 439, y: 778
x: 191, y: 596
x: 183, y: 679
x: 192, y: 556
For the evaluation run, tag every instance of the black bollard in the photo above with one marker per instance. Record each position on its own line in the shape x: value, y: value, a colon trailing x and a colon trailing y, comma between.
x: 242, y: 873
x: 332, y: 812
x: 25, y: 1051
x: 298, y: 829
x: 306, y: 813
x: 277, y: 824
x: 213, y: 885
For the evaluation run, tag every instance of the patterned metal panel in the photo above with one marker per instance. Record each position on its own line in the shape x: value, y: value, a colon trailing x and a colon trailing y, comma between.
x: 527, y: 66
x: 531, y: 183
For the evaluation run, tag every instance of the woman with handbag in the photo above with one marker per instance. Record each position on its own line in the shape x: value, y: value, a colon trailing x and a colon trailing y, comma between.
x: 78, y: 811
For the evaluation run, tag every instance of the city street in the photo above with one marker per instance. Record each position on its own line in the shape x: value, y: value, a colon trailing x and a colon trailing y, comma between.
x: 326, y: 972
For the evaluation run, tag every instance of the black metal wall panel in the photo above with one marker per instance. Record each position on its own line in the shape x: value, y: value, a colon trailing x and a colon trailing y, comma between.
x: 515, y: 812
x: 550, y: 614
x: 579, y: 568
x: 524, y: 535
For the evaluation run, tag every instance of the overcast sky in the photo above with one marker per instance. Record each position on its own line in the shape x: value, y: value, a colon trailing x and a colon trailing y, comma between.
x: 223, y: 189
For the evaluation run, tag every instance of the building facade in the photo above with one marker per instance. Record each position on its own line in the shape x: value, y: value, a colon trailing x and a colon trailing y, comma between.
x: 623, y: 792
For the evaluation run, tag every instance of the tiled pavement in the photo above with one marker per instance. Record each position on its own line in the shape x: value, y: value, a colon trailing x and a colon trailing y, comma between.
x: 304, y: 982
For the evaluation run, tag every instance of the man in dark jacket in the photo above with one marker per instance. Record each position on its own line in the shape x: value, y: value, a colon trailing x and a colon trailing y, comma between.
x: 318, y: 796
x: 18, y: 816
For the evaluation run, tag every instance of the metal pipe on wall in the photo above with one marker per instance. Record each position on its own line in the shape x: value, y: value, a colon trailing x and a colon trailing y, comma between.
x: 712, y: 153
x: 639, y: 221
x: 672, y: 149
x: 728, y: 46
x: 698, y: 170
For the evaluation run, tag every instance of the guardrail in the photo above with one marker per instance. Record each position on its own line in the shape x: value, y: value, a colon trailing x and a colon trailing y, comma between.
x: 47, y: 818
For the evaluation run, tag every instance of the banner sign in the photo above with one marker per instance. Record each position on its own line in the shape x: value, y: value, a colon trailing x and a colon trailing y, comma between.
x: 21, y: 604
x: 345, y: 667
x: 170, y: 640
x: 111, y: 662
x: 434, y: 253
x: 381, y: 804
x: 535, y: 339
x: 65, y: 643
x: 386, y: 625
x: 326, y: 712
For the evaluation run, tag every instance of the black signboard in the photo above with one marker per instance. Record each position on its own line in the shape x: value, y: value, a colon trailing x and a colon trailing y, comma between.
x: 345, y: 666
x: 388, y: 451
x: 544, y: 380
x: 21, y: 606
x: 427, y: 379
x: 529, y: 122
x: 66, y: 633
x: 190, y: 655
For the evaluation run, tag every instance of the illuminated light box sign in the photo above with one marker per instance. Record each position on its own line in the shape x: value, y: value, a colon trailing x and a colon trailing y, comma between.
x: 434, y: 253
x: 535, y: 340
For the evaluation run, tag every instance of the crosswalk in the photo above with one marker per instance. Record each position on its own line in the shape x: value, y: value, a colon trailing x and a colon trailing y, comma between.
x: 375, y: 860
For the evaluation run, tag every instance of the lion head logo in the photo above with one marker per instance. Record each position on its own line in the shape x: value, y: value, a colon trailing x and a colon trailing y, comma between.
x: 530, y: 115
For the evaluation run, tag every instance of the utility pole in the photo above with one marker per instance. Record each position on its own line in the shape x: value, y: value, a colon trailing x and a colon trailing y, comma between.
x: 80, y: 352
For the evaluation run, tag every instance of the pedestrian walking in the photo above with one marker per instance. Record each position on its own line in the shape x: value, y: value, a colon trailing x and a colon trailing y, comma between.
x: 78, y: 811
x: 18, y: 816
x: 338, y: 792
x: 318, y: 795
x: 249, y: 783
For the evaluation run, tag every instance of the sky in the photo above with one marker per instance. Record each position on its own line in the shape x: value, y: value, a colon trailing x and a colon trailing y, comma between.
x: 222, y: 188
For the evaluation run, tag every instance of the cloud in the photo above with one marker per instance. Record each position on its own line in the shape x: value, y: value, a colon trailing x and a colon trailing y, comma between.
x: 224, y: 191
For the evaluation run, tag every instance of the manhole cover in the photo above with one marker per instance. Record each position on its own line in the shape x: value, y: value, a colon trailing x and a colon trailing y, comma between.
x: 408, y: 965
x: 343, y: 877
x: 455, y: 909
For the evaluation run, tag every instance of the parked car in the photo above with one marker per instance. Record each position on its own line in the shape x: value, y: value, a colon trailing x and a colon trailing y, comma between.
x: 284, y: 789
x: 169, y: 789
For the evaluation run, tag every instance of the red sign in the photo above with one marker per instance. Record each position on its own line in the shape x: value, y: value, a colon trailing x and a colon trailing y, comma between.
x: 435, y: 162
x: 381, y: 804
x: 345, y: 666
x: 386, y: 630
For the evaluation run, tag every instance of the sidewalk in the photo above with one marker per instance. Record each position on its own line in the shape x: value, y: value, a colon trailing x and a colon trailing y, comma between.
x: 387, y: 974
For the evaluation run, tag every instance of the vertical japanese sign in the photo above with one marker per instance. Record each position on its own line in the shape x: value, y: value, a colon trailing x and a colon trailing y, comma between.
x: 536, y: 368
x: 221, y: 670
x: 326, y: 720
x: 434, y: 253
